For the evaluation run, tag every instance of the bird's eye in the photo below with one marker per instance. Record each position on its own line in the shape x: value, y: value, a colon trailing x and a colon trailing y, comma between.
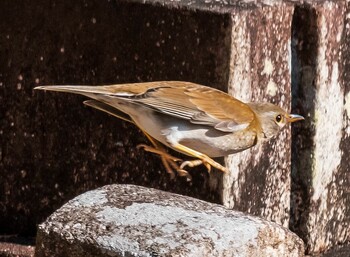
x: 278, y: 118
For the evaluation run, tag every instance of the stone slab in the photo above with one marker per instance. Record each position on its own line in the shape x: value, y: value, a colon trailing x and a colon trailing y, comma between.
x: 128, y: 220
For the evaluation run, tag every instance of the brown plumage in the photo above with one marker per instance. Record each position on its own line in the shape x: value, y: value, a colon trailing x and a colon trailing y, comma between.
x: 195, y: 120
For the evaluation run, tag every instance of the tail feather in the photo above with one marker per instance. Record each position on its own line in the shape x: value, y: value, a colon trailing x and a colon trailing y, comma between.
x: 108, y: 109
x: 84, y: 90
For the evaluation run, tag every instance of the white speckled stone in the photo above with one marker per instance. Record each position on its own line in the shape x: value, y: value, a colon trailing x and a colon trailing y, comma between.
x: 127, y: 220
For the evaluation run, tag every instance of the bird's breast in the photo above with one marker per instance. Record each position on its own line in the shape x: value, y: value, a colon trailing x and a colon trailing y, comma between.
x: 170, y: 131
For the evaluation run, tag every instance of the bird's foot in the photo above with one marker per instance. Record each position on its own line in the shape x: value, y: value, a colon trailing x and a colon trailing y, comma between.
x: 195, y: 163
x: 168, y: 161
x: 202, y: 159
x: 207, y: 163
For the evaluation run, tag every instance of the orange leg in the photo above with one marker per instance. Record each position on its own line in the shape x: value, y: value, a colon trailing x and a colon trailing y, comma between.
x: 168, y: 160
x: 202, y: 159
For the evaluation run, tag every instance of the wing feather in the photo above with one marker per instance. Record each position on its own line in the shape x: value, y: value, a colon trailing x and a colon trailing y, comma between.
x: 185, y: 100
x: 199, y: 104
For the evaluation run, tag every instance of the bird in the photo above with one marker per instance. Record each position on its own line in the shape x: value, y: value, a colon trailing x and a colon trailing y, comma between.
x: 198, y: 121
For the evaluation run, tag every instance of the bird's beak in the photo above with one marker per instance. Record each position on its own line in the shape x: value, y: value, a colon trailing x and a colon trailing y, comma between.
x: 294, y: 117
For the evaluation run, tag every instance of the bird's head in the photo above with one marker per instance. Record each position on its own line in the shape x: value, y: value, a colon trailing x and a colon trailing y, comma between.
x: 272, y: 118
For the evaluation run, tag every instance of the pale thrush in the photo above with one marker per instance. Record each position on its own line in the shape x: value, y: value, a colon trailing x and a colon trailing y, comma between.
x: 195, y: 120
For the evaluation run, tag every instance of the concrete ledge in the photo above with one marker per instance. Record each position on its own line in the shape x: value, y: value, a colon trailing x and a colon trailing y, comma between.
x: 128, y: 220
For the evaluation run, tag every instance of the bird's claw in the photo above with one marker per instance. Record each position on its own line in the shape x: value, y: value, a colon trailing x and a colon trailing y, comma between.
x: 184, y: 173
x: 168, y: 161
x: 195, y: 163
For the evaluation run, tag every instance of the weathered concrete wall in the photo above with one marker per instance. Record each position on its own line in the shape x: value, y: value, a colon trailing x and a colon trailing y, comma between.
x: 259, y: 182
x: 321, y: 164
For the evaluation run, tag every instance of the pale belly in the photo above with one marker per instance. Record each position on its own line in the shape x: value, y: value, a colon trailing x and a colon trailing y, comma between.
x: 172, y: 131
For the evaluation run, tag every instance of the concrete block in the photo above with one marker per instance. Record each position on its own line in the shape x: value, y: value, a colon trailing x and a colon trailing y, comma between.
x: 321, y: 179
x: 260, y: 65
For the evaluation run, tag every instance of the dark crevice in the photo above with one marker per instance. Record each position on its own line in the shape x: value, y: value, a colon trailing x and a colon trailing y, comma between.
x: 304, y: 57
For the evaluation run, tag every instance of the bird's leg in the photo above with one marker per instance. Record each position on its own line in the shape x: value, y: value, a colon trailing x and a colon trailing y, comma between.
x: 168, y: 160
x: 203, y: 159
x: 157, y: 149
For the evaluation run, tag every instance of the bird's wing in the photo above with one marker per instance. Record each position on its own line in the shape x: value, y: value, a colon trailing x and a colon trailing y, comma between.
x: 185, y: 100
x: 230, y: 113
x: 199, y: 104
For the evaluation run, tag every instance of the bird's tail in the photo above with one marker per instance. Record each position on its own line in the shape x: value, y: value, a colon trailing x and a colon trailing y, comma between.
x: 83, y: 90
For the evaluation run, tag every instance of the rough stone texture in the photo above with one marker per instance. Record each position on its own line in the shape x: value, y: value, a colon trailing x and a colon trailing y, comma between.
x: 337, y: 251
x: 321, y: 164
x: 16, y: 250
x: 259, y: 182
x: 127, y: 220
